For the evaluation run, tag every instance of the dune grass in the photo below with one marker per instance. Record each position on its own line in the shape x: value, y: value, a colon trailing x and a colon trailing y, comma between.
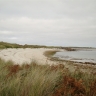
x: 44, y: 80
x: 27, y: 80
x: 50, y: 53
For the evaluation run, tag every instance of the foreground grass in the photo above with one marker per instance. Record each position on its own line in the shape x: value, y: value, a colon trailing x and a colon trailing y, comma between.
x: 44, y: 80
x: 27, y: 80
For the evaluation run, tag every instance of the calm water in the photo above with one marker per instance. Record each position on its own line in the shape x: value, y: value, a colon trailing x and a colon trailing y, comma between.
x: 79, y: 56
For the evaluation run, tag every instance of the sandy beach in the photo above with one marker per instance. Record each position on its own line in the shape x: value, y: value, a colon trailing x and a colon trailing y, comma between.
x: 20, y: 55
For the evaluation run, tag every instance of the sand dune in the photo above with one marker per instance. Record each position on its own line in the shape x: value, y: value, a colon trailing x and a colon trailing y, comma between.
x: 19, y: 56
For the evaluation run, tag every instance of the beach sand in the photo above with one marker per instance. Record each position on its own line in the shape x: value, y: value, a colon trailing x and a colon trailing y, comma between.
x: 27, y: 55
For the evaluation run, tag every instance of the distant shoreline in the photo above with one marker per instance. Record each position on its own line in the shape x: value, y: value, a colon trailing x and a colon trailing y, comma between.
x: 4, y: 45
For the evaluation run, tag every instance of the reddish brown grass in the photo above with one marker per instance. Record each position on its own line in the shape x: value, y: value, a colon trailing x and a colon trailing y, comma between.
x: 93, y: 89
x: 70, y: 86
x: 13, y: 69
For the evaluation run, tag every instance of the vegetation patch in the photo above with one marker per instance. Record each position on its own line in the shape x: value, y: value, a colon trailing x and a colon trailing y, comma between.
x: 44, y: 80
x: 69, y: 49
x: 50, y: 53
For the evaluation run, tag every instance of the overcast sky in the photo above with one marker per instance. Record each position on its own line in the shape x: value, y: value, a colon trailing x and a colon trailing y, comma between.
x: 48, y: 22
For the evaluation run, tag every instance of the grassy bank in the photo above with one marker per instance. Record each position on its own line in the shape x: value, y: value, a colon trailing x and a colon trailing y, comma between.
x: 4, y: 45
x: 50, y: 53
x: 44, y: 80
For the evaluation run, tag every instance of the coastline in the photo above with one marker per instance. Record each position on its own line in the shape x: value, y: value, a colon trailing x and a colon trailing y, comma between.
x: 21, y: 56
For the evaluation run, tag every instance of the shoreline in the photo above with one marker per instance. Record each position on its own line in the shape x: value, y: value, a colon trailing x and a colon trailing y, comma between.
x: 22, y: 56
x: 26, y: 55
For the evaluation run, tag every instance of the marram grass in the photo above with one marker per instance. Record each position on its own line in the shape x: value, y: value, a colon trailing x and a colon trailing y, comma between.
x: 44, y: 80
x: 27, y: 80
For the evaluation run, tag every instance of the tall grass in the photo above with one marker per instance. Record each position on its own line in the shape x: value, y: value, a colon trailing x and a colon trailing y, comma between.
x: 44, y: 80
x: 27, y: 80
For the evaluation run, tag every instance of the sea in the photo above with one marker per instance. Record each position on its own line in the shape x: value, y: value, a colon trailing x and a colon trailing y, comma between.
x: 81, y: 55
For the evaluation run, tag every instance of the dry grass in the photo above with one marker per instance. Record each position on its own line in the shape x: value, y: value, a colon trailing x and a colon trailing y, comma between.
x: 27, y: 80
x: 44, y: 80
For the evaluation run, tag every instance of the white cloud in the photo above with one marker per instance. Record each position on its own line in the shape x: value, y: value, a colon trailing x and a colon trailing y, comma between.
x: 13, y: 38
x: 6, y: 32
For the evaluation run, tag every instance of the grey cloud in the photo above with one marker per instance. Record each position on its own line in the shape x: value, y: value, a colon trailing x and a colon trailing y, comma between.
x: 48, y: 22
